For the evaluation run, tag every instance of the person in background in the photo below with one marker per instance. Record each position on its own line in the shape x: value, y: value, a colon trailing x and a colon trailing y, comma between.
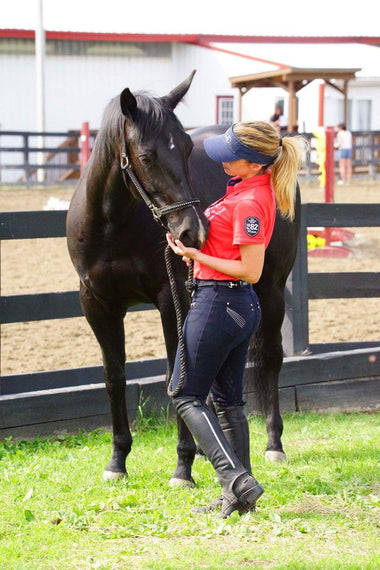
x: 344, y: 146
x: 225, y: 311
x: 279, y: 121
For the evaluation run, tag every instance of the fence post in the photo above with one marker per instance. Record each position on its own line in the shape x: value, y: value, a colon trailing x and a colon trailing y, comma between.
x: 85, y: 145
x: 26, y: 158
x: 295, y: 328
x: 372, y: 160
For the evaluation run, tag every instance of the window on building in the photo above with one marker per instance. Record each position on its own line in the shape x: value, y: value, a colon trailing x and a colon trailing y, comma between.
x: 359, y: 114
x: 361, y: 110
x: 25, y: 46
x: 224, y: 109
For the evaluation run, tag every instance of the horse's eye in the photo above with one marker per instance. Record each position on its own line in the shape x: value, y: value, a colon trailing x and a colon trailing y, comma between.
x: 146, y: 159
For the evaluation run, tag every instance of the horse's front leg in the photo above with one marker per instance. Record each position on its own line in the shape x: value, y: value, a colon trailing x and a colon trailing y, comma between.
x: 186, y: 447
x: 107, y: 325
x: 270, y: 357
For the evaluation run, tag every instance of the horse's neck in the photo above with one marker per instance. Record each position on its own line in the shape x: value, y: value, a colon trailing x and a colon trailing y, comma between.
x: 106, y: 190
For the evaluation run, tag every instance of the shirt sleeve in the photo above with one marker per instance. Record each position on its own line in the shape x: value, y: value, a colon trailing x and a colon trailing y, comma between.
x: 249, y: 223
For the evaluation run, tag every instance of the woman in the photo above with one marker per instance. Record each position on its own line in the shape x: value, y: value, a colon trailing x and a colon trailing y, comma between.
x: 225, y: 311
x: 344, y: 144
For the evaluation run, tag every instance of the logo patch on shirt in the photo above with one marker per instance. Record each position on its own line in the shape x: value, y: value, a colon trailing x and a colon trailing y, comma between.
x: 252, y: 226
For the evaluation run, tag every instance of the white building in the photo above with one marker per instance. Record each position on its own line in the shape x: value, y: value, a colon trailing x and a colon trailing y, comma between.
x: 84, y: 70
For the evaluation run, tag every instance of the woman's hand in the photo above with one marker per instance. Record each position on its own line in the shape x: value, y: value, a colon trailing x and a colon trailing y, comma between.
x: 248, y: 268
x: 177, y: 246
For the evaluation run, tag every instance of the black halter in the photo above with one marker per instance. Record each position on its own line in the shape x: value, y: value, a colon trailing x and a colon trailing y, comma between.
x: 157, y: 213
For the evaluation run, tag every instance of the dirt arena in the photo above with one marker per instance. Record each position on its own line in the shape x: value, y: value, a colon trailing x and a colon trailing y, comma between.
x: 43, y: 265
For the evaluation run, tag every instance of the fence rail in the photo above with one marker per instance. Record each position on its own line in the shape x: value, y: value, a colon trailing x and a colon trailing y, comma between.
x: 52, y: 224
x: 304, y: 285
x: 313, y: 376
x: 62, y: 160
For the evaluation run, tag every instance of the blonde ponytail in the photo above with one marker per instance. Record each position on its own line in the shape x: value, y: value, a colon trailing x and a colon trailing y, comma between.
x: 287, y: 154
x: 284, y: 174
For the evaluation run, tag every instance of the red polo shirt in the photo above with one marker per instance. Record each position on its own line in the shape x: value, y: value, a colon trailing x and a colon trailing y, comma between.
x: 245, y: 215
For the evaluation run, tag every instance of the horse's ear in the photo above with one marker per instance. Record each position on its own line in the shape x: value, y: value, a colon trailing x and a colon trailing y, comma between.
x: 178, y: 92
x: 128, y: 103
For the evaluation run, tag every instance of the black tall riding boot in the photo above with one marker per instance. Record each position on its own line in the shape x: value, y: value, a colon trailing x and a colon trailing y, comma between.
x: 234, y: 424
x: 240, y: 489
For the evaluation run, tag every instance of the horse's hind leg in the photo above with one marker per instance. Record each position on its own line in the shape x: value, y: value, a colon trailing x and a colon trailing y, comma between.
x: 107, y: 325
x: 270, y: 356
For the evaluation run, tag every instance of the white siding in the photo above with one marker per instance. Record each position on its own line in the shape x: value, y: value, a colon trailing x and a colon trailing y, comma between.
x: 199, y: 107
x: 78, y: 88
x: 17, y: 94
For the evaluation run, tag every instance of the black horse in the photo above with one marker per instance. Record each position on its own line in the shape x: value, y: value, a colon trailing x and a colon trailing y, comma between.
x: 118, y: 250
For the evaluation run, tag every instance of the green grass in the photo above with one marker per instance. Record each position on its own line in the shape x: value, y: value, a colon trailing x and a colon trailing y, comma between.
x: 320, y: 510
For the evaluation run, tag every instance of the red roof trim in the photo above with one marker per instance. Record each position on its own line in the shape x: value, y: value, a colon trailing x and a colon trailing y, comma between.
x: 251, y: 57
x: 100, y: 37
x: 188, y: 38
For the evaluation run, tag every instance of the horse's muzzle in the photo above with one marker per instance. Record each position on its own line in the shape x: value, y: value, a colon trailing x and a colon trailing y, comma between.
x: 193, y: 231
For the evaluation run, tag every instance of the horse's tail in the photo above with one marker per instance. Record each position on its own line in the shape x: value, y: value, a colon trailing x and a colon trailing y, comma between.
x: 255, y: 381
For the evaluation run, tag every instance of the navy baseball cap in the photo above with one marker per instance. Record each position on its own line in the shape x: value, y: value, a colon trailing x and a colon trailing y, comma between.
x: 227, y: 148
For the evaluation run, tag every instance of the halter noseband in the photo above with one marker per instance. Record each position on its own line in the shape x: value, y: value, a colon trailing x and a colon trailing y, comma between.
x: 157, y: 213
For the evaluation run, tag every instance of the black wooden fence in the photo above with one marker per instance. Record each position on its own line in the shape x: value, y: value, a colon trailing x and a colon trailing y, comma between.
x: 61, y: 162
x: 326, y: 376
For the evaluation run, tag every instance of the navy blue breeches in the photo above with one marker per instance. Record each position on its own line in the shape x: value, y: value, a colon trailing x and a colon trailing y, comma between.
x: 217, y: 332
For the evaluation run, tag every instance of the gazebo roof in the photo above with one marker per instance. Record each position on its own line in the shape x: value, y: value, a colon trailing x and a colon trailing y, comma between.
x: 292, y: 79
x: 299, y: 76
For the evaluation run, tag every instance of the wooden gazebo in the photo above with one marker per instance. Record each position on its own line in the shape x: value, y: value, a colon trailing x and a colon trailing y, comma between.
x: 293, y: 79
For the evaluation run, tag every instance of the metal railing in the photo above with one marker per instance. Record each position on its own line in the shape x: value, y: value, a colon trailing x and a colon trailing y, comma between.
x: 62, y: 162
x: 19, y: 152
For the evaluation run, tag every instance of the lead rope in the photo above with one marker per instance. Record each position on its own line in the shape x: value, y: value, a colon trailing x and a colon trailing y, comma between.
x: 178, y: 313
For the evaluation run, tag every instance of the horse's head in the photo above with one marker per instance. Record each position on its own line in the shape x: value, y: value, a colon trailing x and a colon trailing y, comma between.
x: 158, y: 150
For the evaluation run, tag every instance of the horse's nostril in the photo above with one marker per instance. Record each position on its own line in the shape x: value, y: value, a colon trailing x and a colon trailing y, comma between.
x: 193, y: 235
x: 188, y: 239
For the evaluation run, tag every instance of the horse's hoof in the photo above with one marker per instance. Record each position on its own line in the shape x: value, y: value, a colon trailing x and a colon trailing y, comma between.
x: 174, y: 482
x: 200, y: 456
x: 275, y: 456
x: 113, y: 475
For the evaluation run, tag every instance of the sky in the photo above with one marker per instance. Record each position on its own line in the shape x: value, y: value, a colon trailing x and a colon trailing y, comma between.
x: 291, y: 17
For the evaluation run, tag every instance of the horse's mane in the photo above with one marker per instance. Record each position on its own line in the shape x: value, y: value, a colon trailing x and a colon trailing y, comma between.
x: 149, y: 120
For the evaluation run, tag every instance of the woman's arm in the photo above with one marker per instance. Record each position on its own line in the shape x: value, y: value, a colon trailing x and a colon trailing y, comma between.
x: 248, y: 268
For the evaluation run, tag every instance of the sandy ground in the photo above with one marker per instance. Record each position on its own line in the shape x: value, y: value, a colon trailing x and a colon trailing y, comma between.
x: 43, y: 265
